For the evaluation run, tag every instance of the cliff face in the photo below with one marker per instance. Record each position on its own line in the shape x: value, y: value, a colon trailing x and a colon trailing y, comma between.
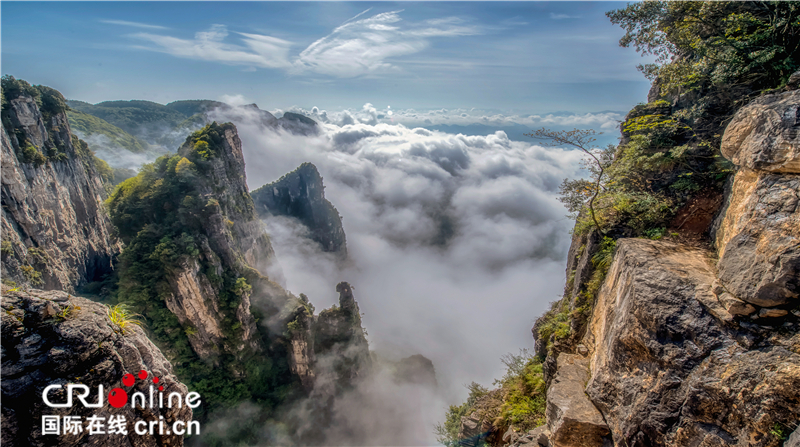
x: 301, y: 194
x: 54, y: 338
x: 56, y: 233
x: 685, y: 346
x: 331, y: 345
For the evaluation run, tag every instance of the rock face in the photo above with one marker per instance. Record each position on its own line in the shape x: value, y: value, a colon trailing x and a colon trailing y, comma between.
x: 765, y: 134
x: 339, y: 338
x: 759, y: 236
x: 301, y: 194
x: 56, y: 233
x: 52, y: 338
x: 667, y: 370
x: 571, y: 417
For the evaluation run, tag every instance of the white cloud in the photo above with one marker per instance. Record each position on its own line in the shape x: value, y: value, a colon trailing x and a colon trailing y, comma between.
x: 259, y: 51
x: 448, y: 235
x: 555, y: 16
x: 360, y: 46
x: 134, y: 24
x: 601, y: 121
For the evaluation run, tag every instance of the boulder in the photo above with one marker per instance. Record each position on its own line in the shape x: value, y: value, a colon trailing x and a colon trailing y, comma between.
x: 666, y: 371
x: 794, y: 439
x: 759, y: 239
x: 571, y: 417
x: 541, y: 435
x: 764, y: 134
x: 50, y: 337
x: 735, y: 306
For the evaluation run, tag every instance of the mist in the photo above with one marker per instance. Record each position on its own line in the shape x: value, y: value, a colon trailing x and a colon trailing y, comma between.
x: 456, y: 244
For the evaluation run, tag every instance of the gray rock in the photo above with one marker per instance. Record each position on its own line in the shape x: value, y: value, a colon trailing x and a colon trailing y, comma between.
x: 541, y: 435
x: 300, y: 194
x: 794, y: 438
x: 764, y: 134
x: 665, y: 371
x: 571, y: 417
x: 52, y: 215
x: 82, y: 346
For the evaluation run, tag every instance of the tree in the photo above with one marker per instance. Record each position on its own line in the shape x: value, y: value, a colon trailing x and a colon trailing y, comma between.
x: 722, y: 42
x: 575, y: 193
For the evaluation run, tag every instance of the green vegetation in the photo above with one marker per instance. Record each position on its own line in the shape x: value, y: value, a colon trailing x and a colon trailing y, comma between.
x: 6, y: 248
x: 132, y: 116
x: 163, y: 218
x: 121, y: 316
x: 518, y: 402
x: 447, y: 433
x: 722, y: 43
x: 33, y: 276
x: 68, y: 312
x: 192, y: 107
x: 32, y: 155
x: 90, y: 125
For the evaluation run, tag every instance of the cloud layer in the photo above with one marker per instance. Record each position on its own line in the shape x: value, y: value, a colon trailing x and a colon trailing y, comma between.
x: 457, y: 242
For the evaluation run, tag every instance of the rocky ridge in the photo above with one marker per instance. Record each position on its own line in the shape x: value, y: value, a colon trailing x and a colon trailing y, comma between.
x: 300, y: 194
x: 56, y: 234
x: 685, y: 346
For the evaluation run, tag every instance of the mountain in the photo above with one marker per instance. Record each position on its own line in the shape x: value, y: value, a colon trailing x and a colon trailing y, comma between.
x: 56, y: 233
x: 86, y: 126
x: 180, y: 251
x: 679, y: 323
x: 300, y: 194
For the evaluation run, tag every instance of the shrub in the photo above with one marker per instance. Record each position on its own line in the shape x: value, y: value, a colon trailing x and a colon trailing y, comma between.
x: 121, y: 316
x: 32, y: 155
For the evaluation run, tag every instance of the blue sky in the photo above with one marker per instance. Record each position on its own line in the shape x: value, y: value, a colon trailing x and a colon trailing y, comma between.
x: 528, y: 57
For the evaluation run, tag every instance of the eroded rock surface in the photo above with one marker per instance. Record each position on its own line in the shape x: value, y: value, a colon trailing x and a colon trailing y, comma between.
x: 667, y: 371
x: 56, y: 233
x: 300, y: 194
x: 50, y: 337
x: 759, y: 236
x: 571, y: 417
x: 765, y: 134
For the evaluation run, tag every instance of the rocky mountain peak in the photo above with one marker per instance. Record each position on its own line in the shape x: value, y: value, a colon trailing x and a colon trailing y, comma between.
x: 301, y: 194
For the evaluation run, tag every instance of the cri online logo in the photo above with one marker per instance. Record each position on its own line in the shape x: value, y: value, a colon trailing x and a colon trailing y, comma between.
x: 118, y: 397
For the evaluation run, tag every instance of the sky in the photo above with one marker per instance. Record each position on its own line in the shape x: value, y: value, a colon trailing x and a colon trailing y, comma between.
x: 525, y: 57
x: 456, y: 237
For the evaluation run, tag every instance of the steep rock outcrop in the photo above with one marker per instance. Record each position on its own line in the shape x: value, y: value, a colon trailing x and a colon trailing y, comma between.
x: 759, y: 235
x: 666, y: 370
x: 56, y: 233
x: 571, y: 417
x: 339, y: 338
x: 53, y: 338
x: 301, y: 194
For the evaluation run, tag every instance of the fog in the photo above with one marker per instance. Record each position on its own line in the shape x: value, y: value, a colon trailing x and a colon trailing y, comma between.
x: 456, y: 244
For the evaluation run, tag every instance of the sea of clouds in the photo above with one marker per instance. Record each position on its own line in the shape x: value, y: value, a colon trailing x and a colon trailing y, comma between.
x: 457, y: 243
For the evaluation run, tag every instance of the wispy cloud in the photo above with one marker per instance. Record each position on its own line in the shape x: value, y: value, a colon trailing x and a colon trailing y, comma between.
x: 555, y: 16
x: 360, y: 46
x: 257, y: 51
x: 134, y: 24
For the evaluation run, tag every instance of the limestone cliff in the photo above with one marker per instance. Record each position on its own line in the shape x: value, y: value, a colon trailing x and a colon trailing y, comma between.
x: 686, y: 346
x: 53, y: 338
x: 331, y: 345
x: 300, y: 194
x: 56, y: 233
